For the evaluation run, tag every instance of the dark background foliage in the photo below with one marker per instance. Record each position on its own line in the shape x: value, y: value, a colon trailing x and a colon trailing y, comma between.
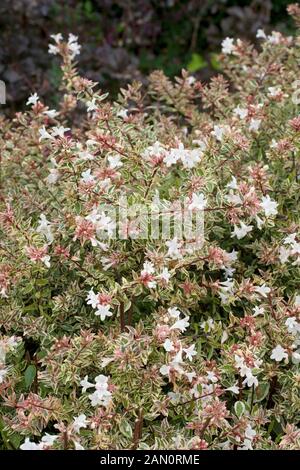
x: 122, y: 39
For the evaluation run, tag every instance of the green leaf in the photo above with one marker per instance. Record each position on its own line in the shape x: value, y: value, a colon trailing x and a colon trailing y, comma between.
x: 196, y: 63
x: 144, y: 446
x: 30, y: 308
x: 28, y: 288
x: 127, y: 305
x: 41, y: 282
x: 126, y: 429
x: 30, y: 374
x: 239, y: 408
x: 15, y: 440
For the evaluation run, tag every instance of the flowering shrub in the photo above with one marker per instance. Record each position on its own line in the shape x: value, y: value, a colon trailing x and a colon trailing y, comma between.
x: 119, y: 341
